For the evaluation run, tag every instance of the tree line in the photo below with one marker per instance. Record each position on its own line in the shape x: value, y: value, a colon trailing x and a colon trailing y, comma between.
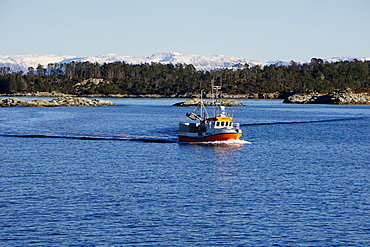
x: 180, y: 79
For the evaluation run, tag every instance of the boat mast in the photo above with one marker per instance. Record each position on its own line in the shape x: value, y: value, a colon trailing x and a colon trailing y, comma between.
x: 202, y: 105
x: 215, y: 96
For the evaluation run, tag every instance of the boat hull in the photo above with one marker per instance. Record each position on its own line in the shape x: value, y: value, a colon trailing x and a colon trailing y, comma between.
x: 211, y: 138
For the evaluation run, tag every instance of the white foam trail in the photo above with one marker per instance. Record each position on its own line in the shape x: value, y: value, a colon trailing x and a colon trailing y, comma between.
x: 223, y: 143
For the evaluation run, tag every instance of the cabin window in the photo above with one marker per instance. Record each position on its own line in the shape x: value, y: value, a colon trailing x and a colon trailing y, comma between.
x: 222, y: 123
x: 217, y: 123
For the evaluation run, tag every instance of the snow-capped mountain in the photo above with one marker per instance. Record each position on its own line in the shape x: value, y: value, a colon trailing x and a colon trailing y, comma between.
x: 23, y: 62
x: 200, y: 62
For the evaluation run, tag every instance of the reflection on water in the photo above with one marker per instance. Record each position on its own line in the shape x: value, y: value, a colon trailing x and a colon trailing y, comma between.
x: 222, y: 159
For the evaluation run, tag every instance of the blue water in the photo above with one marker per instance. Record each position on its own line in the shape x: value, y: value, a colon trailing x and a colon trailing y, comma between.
x: 117, y: 176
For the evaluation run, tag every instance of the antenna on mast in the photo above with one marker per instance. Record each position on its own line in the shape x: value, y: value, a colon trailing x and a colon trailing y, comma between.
x: 215, y: 92
x: 212, y: 85
x: 220, y: 87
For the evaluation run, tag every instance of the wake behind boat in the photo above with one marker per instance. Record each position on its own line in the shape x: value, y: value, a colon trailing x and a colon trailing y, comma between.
x: 220, y: 127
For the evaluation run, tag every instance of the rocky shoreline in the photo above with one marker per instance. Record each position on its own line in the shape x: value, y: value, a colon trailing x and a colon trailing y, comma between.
x: 60, y: 101
x: 275, y: 95
x: 339, y: 97
x: 346, y: 96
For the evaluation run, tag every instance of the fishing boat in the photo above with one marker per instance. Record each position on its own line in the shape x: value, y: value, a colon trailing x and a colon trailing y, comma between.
x: 219, y: 127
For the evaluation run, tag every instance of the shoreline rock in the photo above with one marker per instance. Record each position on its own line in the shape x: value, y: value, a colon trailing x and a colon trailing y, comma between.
x: 56, y: 102
x: 37, y: 94
x: 339, y: 97
x: 195, y: 102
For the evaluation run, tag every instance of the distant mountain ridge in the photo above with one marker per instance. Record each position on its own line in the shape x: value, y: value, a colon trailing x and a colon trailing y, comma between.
x: 200, y: 62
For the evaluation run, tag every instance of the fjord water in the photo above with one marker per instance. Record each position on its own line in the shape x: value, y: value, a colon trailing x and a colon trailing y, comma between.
x: 117, y: 176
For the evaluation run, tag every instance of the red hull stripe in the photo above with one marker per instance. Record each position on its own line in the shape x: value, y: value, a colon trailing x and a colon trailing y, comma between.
x: 212, y: 138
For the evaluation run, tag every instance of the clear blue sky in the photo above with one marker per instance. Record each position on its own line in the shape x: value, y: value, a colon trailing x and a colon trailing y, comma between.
x: 255, y: 29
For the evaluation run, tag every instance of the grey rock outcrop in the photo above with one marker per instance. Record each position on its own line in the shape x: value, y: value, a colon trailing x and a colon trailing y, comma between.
x: 79, y: 101
x: 38, y: 94
x: 195, y: 102
x: 60, y: 101
x: 339, y: 97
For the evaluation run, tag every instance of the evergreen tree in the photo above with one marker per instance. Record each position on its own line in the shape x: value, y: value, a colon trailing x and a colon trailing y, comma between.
x: 181, y: 79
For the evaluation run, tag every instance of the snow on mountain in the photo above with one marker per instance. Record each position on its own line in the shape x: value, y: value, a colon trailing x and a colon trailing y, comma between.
x: 23, y: 62
x: 335, y: 59
x: 200, y: 62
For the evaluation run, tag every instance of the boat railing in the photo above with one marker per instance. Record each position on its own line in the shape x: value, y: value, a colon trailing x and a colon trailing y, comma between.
x: 236, y: 125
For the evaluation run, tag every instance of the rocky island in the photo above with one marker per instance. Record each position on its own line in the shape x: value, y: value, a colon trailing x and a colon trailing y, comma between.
x: 60, y: 101
x: 339, y: 97
x: 195, y: 102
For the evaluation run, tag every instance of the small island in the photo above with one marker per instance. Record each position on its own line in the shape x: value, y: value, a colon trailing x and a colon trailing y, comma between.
x: 195, y: 102
x: 60, y: 101
x: 346, y: 96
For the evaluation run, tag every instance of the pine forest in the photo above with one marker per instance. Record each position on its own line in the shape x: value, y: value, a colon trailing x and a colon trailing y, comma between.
x: 174, y: 80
